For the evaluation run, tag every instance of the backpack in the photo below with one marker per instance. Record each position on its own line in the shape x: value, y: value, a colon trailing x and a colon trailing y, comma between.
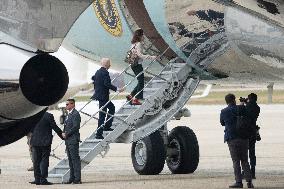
x: 131, y: 57
x: 243, y: 125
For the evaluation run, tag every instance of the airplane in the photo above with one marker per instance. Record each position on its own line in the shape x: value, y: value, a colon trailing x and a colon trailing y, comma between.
x: 221, y: 41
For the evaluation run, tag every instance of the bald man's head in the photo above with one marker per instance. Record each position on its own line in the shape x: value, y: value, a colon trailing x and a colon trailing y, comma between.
x: 105, y: 62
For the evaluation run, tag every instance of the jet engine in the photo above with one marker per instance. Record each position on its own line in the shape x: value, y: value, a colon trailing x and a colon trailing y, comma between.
x: 29, y: 82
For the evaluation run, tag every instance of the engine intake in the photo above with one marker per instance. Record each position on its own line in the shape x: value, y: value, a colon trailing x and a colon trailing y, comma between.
x: 44, y: 79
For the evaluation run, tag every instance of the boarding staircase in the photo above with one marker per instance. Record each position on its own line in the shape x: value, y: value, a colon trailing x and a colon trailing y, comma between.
x: 164, y: 95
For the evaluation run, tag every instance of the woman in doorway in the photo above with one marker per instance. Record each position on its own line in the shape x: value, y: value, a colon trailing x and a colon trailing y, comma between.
x: 136, y: 47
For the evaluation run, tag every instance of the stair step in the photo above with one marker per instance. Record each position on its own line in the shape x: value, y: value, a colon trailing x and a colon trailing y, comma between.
x: 85, y: 149
x: 55, y: 175
x: 115, y: 124
x: 107, y: 132
x: 56, y: 178
x: 178, y: 65
x: 95, y: 141
x: 62, y: 167
x: 129, y: 106
x: 89, y: 143
x: 121, y: 115
x: 168, y: 72
x: 150, y: 89
x: 129, y: 109
x: 158, y: 81
x: 149, y: 92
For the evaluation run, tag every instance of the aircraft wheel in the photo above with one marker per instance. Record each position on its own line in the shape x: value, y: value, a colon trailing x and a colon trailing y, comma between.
x: 183, y: 151
x: 148, y: 155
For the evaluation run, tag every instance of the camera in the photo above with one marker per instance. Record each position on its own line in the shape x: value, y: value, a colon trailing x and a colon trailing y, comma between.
x: 245, y: 100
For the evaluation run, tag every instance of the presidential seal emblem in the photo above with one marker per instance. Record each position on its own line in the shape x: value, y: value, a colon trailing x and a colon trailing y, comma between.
x: 108, y: 16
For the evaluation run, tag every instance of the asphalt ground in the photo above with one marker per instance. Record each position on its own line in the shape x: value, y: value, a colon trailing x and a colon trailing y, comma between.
x: 214, y: 171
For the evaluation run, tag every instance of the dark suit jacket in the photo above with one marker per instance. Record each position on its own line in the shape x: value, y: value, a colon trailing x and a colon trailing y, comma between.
x: 102, y: 85
x: 71, y: 127
x: 42, y: 133
x: 253, y: 111
x: 229, y: 120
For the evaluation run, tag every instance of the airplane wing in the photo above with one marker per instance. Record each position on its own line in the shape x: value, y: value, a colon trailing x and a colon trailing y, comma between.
x: 41, y: 24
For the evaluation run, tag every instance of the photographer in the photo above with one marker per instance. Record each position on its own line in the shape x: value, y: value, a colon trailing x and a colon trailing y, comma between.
x: 252, y: 113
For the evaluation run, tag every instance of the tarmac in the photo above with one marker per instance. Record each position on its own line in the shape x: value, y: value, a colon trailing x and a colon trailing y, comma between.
x: 115, y: 170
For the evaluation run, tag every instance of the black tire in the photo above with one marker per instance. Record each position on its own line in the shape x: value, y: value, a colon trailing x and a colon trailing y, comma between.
x: 183, y: 142
x: 151, y: 160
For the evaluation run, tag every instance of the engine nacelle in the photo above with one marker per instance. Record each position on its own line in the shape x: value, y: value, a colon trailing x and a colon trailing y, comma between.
x: 43, y: 79
x: 28, y: 83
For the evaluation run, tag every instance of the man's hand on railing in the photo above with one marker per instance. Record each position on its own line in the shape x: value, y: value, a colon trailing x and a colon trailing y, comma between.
x: 121, y: 89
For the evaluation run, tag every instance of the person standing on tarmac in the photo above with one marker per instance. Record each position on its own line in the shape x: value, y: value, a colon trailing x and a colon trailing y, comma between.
x: 41, y: 141
x: 253, y: 111
x: 238, y: 146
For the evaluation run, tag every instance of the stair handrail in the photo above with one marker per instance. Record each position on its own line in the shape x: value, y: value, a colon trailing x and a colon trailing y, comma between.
x: 123, y: 71
x: 124, y: 87
x: 144, y: 86
x: 80, y: 110
x: 112, y: 116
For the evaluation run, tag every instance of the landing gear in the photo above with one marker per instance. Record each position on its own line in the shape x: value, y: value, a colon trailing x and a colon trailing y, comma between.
x: 183, y: 151
x: 148, y: 154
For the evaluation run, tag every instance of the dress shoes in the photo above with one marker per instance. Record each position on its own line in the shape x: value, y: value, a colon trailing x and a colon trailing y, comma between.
x: 45, y: 183
x: 129, y: 97
x: 31, y: 169
x: 77, y: 182
x: 250, y: 185
x: 108, y: 129
x: 237, y: 185
x: 99, y: 137
x: 135, y: 101
x: 34, y: 182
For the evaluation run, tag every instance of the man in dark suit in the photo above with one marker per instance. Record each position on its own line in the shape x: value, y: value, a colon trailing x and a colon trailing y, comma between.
x: 238, y: 146
x: 72, y: 138
x: 102, y: 85
x: 41, y: 145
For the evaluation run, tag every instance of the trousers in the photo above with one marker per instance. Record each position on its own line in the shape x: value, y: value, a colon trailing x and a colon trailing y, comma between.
x: 140, y: 85
x: 109, y: 108
x: 239, y: 153
x: 41, y: 162
x: 74, y: 161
